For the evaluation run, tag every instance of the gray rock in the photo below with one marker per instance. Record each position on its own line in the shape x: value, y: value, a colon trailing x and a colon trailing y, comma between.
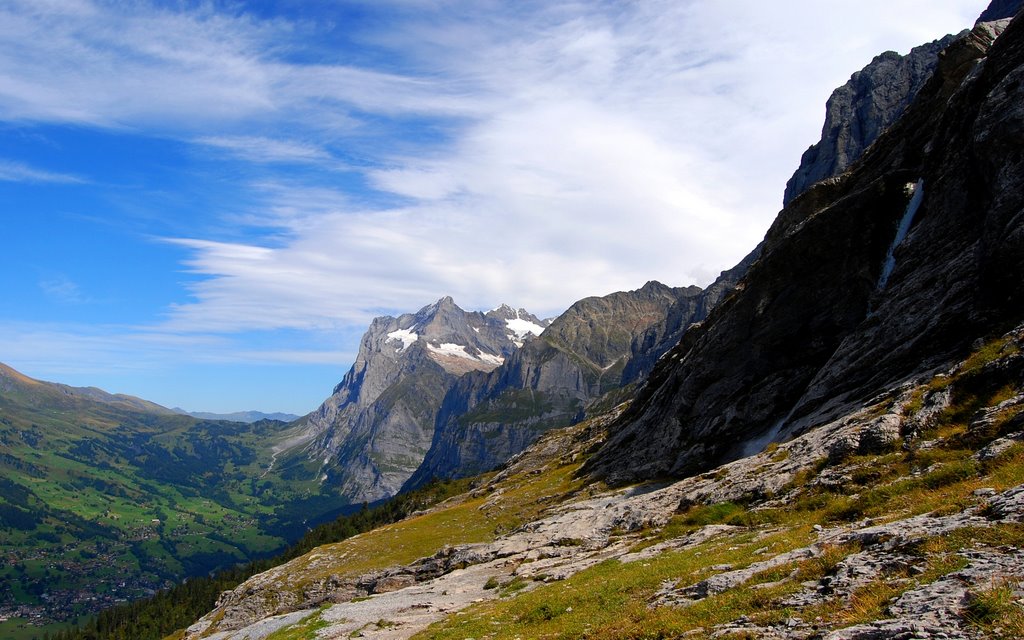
x: 935, y: 610
x: 1006, y: 416
x: 387, y: 584
x: 882, y: 435
x: 726, y: 580
x: 843, y: 447
x: 1007, y: 506
x: 932, y: 406
x: 997, y: 447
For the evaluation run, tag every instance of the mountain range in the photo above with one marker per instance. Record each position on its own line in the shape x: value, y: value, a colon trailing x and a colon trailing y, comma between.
x: 239, y: 416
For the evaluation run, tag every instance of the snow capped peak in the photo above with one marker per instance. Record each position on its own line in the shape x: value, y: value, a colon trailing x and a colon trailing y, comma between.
x: 446, y: 302
x: 493, y: 334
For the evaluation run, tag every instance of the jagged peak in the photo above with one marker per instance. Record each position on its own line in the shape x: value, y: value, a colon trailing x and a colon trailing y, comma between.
x: 504, y: 311
x: 654, y: 285
x: 447, y: 303
x: 445, y: 306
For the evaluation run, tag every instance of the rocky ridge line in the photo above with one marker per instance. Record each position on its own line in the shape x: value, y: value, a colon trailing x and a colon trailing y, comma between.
x: 860, y: 110
x: 871, y: 101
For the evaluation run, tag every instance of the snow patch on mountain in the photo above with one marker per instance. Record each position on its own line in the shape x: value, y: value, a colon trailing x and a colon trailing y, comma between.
x: 405, y: 336
x: 491, y: 359
x: 459, y: 351
x: 450, y: 349
x: 521, y: 328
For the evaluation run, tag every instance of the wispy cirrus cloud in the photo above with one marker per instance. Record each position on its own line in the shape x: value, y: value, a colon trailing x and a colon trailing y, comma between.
x: 146, y: 65
x: 62, y: 289
x: 267, y: 150
x: 11, y: 171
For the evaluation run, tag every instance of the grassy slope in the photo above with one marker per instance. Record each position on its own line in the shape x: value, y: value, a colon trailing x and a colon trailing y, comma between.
x: 465, y: 519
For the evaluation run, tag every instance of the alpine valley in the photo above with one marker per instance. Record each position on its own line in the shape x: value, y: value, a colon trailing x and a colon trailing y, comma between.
x: 107, y: 498
x: 826, y: 442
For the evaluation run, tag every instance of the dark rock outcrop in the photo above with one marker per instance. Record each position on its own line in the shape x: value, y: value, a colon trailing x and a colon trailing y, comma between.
x: 1000, y: 9
x: 656, y: 341
x: 815, y: 327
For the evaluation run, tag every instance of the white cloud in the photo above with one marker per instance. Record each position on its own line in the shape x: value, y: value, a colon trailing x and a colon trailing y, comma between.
x: 260, y: 149
x: 18, y: 172
x: 533, y: 153
x: 66, y: 349
x: 62, y: 289
x: 610, y: 146
x: 138, y: 65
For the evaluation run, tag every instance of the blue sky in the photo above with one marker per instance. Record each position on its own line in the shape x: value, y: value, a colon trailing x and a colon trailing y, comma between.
x: 205, y: 203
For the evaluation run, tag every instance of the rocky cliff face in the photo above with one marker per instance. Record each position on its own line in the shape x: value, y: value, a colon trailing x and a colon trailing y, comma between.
x: 590, y: 353
x: 873, y: 99
x: 860, y: 110
x: 373, y: 432
x: 864, y: 280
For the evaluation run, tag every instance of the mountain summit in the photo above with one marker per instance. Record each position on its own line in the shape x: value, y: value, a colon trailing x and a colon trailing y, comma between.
x: 374, y: 430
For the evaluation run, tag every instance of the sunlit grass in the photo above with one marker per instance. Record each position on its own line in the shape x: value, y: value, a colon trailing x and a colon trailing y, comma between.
x: 305, y: 629
x: 462, y: 520
x: 611, y: 600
